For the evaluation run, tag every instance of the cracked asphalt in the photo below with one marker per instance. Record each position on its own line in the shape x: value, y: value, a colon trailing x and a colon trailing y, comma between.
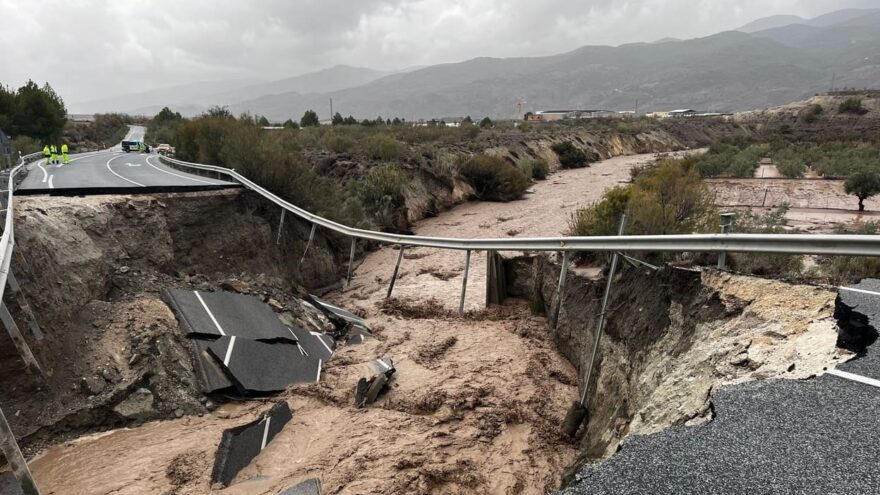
x: 817, y: 436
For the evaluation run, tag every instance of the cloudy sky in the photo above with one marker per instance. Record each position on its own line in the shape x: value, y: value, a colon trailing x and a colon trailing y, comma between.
x: 90, y: 49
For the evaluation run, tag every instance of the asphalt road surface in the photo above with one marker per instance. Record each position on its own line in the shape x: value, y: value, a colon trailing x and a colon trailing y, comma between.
x: 818, y: 436
x: 112, y: 171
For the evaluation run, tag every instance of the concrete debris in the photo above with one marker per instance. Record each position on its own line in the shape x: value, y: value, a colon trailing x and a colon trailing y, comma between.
x: 307, y: 487
x: 340, y: 317
x: 240, y: 445
x: 376, y: 377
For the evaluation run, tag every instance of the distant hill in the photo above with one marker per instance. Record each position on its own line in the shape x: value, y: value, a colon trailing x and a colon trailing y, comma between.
x: 729, y: 71
x: 771, y: 22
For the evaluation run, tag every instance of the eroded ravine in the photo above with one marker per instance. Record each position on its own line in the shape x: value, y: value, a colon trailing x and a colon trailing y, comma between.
x: 477, y: 401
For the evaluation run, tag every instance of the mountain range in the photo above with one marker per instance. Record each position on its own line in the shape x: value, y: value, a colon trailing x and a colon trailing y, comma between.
x: 767, y: 62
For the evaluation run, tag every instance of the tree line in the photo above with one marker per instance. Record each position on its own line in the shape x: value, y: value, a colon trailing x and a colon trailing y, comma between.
x: 32, y: 111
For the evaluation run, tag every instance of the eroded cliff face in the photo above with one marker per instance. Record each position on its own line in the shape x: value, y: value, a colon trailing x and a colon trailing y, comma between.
x: 673, y: 335
x: 92, y: 269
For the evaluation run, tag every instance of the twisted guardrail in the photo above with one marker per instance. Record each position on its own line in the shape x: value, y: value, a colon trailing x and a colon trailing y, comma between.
x: 823, y: 244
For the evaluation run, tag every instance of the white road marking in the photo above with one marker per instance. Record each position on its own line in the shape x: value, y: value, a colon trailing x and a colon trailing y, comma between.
x: 854, y: 377
x: 51, y: 186
x: 266, y: 432
x: 178, y: 175
x: 321, y: 340
x: 229, y: 351
x: 210, y: 314
x: 121, y: 177
x: 133, y: 164
x: 320, y: 363
x: 860, y: 290
x: 45, y: 174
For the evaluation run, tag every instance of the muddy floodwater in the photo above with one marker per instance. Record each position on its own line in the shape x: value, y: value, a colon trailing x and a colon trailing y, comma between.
x: 475, y: 406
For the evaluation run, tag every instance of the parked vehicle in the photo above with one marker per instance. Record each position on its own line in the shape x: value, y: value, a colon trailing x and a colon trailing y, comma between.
x: 129, y: 146
x: 165, y: 150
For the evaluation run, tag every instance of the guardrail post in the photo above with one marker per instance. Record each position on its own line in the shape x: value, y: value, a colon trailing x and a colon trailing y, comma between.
x: 25, y: 307
x: 560, y: 288
x: 726, y: 222
x: 308, y: 244
x: 16, y: 460
x: 578, y: 412
x: 467, y: 265
x: 396, y: 268
x: 280, y: 226
x: 351, y: 260
x: 23, y: 350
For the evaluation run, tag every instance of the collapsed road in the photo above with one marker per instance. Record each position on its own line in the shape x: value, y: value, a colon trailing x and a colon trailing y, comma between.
x: 476, y: 400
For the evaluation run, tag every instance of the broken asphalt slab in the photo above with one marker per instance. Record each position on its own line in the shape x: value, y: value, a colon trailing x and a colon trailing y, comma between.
x: 240, y: 445
x: 220, y: 314
x: 307, y: 487
x: 339, y: 316
x: 314, y: 344
x: 210, y: 372
x: 258, y: 367
x: 368, y: 388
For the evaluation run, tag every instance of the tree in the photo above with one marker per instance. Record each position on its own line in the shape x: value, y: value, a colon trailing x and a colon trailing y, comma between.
x: 396, y: 121
x: 486, y: 123
x: 467, y: 121
x: 290, y: 124
x: 263, y: 122
x: 309, y: 119
x: 337, y: 119
x: 38, y: 112
x: 219, y: 112
x: 862, y: 185
x: 350, y: 121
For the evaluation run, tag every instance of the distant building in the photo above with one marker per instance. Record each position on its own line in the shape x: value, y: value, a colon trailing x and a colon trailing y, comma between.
x: 683, y: 112
x: 553, y: 115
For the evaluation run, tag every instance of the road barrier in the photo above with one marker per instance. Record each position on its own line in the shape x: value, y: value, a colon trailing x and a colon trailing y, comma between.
x: 8, y: 445
x: 823, y: 244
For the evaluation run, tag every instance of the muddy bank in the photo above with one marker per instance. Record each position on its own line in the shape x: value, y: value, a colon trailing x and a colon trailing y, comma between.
x: 673, y: 336
x: 92, y: 269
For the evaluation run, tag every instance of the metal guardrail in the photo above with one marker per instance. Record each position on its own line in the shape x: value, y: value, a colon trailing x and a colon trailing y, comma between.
x: 823, y: 244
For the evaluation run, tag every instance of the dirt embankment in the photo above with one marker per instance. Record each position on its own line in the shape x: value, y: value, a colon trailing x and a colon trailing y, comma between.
x: 92, y: 269
x: 673, y: 336
x: 435, y: 183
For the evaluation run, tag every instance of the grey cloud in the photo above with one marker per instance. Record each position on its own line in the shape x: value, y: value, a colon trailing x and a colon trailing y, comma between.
x: 95, y: 48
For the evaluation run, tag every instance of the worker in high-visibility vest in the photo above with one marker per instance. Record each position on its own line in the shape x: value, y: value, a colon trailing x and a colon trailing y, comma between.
x: 46, y: 153
x: 65, y: 159
x: 53, y: 157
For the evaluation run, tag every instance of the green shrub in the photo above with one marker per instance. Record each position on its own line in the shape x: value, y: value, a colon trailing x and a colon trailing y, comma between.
x: 536, y: 168
x: 569, y: 155
x: 772, y: 222
x: 494, y: 179
x: 382, y: 193
x: 813, y: 113
x: 339, y: 143
x: 602, y: 217
x: 24, y: 145
x: 852, y: 105
x: 384, y: 147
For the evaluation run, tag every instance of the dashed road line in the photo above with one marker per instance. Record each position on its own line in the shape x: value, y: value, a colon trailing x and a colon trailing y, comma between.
x: 266, y: 432
x: 229, y: 351
x: 854, y: 377
x: 210, y: 314
x: 51, y: 186
x: 121, y: 177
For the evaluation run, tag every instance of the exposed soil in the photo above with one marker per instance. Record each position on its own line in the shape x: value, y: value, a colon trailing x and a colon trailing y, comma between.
x: 477, y: 401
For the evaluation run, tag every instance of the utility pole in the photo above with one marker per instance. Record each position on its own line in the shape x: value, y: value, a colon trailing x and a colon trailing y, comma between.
x: 637, y: 108
x: 331, y: 108
x: 833, y: 79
